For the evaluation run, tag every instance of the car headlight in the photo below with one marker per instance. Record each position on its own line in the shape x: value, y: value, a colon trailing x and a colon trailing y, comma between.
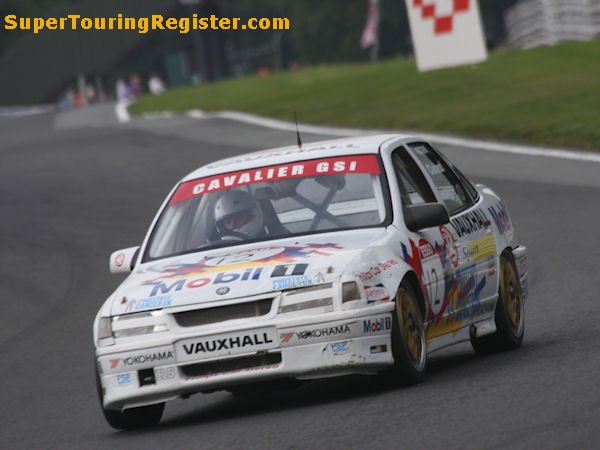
x: 307, y: 298
x: 350, y: 291
x: 104, y: 332
x: 139, y: 323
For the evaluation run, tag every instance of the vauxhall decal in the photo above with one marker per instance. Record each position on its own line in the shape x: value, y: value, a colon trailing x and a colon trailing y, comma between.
x: 470, y: 223
x: 213, y: 345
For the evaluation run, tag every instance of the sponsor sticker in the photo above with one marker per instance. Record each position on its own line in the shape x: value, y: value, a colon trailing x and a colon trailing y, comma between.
x: 339, y: 348
x: 377, y: 293
x: 375, y: 271
x: 255, y: 254
x: 449, y: 245
x: 226, y: 344
x: 124, y: 379
x: 479, y: 249
x: 377, y: 325
x: 501, y: 218
x: 323, y: 332
x: 470, y: 222
x: 311, y: 168
x: 160, y: 301
x: 138, y: 360
x: 280, y: 284
x: 286, y: 337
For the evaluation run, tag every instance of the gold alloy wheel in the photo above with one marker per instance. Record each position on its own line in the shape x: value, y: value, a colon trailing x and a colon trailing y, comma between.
x: 510, y: 288
x: 411, y: 328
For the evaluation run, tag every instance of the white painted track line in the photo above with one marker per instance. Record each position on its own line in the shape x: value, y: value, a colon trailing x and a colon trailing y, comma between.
x: 437, y: 138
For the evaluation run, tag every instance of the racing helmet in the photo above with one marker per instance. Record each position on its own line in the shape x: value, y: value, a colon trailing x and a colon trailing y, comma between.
x: 238, y: 212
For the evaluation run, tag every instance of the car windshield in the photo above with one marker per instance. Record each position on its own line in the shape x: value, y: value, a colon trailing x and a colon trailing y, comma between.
x: 270, y: 202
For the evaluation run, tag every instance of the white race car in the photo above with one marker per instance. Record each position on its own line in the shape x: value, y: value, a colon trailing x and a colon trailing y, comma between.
x: 351, y: 256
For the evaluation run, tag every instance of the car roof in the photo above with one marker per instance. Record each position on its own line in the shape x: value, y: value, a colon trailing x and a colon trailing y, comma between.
x: 284, y: 155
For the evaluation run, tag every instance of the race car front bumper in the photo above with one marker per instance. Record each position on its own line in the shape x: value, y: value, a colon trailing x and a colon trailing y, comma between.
x: 174, y: 364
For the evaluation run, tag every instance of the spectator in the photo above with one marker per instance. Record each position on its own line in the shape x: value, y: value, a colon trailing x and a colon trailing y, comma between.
x: 156, y: 85
x: 122, y: 91
x: 135, y: 85
x: 90, y: 94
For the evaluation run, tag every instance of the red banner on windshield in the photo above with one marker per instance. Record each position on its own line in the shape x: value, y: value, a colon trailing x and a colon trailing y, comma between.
x: 314, y: 167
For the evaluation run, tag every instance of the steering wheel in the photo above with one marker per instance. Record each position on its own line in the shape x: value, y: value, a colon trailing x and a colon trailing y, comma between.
x: 234, y: 236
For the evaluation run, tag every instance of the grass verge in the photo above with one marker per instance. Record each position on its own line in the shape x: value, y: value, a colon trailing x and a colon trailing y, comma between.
x: 545, y: 96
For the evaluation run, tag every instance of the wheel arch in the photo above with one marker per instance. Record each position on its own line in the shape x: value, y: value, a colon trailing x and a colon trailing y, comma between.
x: 412, y: 279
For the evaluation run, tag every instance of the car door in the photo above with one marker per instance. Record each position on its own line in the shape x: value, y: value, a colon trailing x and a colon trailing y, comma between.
x: 470, y: 255
x: 424, y: 249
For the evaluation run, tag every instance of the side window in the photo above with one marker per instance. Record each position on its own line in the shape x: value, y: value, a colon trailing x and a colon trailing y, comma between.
x: 467, y: 184
x: 414, y: 188
x: 449, y: 187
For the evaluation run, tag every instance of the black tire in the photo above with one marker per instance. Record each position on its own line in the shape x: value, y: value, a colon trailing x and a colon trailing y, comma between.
x: 509, y: 315
x: 409, y: 345
x: 133, y: 418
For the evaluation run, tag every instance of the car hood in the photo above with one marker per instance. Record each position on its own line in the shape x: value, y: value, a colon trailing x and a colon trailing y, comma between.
x: 240, y: 271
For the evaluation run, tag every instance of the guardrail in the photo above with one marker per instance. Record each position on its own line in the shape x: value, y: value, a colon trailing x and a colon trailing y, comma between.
x: 531, y: 23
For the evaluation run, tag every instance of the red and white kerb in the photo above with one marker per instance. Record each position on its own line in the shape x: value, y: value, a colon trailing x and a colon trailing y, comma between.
x: 315, y: 167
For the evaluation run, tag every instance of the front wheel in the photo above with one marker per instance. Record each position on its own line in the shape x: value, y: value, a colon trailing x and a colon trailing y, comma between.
x: 509, y: 315
x: 409, y: 346
x: 133, y: 418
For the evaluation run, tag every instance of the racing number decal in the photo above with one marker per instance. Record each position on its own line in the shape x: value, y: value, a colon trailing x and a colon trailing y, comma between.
x: 433, y: 276
x: 286, y: 270
x: 242, y: 257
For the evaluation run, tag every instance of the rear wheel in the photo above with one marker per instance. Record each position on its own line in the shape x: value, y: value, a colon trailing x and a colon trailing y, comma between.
x: 409, y: 346
x: 133, y: 418
x: 509, y: 315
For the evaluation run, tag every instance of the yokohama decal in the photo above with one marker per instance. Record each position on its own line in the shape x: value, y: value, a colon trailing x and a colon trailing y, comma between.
x: 315, y: 167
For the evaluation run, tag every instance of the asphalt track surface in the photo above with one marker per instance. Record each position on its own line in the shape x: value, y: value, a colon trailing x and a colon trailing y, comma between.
x: 70, y: 194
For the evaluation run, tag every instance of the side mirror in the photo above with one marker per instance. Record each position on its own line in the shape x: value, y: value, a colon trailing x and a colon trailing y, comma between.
x: 427, y: 215
x: 123, y: 261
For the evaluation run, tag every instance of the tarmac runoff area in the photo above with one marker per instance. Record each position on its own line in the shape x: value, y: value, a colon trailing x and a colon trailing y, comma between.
x: 494, y: 159
x: 76, y: 186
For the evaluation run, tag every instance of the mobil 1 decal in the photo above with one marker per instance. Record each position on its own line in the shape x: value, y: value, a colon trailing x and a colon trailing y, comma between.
x: 501, y: 218
x: 161, y: 287
x: 244, y: 266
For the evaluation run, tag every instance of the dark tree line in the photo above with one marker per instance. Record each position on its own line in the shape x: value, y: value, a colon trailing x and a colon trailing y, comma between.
x: 327, y: 31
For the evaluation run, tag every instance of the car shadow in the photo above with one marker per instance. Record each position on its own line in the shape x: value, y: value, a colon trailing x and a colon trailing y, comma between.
x: 443, y: 366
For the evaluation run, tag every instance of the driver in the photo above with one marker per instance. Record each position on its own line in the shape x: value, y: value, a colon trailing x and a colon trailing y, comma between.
x: 237, y: 214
